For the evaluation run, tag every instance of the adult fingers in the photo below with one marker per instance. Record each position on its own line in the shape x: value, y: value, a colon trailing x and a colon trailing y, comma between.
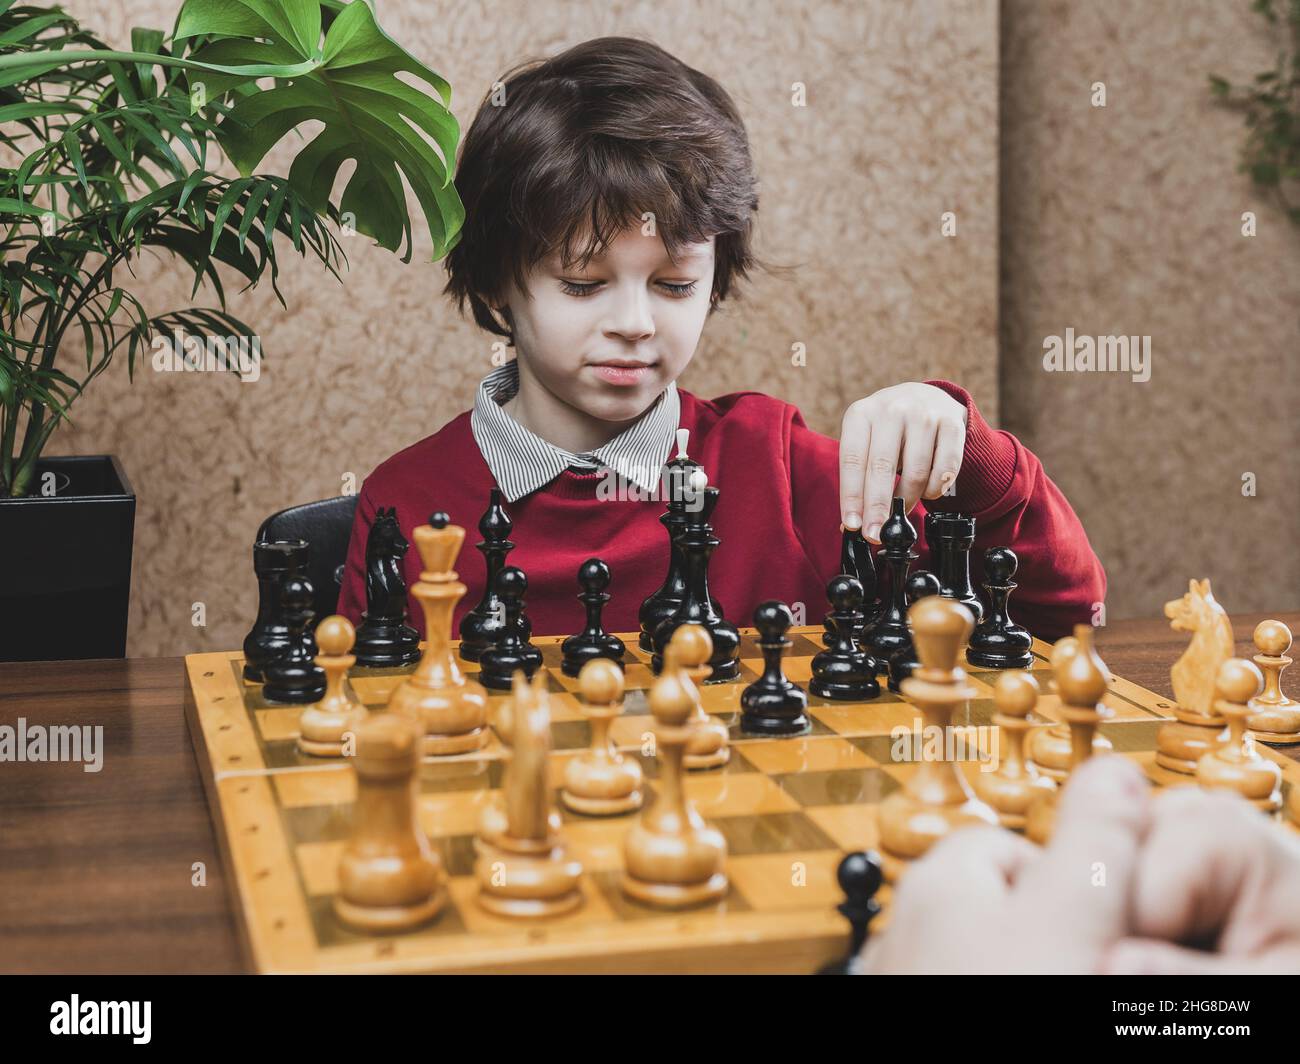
x: 1087, y: 871
x: 984, y: 860
x: 1140, y: 956
x: 1203, y: 860
x: 950, y: 911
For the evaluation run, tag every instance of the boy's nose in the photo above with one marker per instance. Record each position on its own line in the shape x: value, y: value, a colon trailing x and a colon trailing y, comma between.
x: 632, y: 317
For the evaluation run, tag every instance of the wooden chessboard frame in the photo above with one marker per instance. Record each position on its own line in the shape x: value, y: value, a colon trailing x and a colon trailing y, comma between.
x: 790, y: 809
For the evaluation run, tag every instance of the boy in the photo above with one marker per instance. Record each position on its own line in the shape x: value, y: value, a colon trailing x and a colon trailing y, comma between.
x: 617, y: 148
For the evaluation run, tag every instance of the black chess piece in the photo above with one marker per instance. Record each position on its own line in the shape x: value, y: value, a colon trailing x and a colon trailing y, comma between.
x: 593, y: 641
x: 845, y: 671
x: 897, y: 538
x: 481, y: 626
x: 856, y: 561
x: 950, y: 537
x: 772, y: 704
x: 269, y: 637
x: 512, y: 650
x: 698, y: 543
x: 683, y: 480
x: 860, y: 876
x: 903, y: 661
x: 295, y: 677
x: 384, y: 639
x: 998, y: 642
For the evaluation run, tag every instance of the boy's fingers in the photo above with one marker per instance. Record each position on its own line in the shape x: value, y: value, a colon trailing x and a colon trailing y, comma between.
x: 918, y: 460
x: 855, y: 438
x: 882, y: 469
x: 1089, y: 865
x: 949, y: 449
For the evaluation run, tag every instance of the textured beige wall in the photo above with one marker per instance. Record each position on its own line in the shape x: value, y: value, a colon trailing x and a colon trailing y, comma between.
x: 1127, y: 219
x: 899, y: 127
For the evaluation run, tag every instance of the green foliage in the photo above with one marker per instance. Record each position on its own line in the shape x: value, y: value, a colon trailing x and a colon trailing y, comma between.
x: 368, y: 113
x: 117, y: 154
x: 1271, y: 154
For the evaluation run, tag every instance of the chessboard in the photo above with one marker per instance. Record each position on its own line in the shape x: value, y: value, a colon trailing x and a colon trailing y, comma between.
x: 788, y: 808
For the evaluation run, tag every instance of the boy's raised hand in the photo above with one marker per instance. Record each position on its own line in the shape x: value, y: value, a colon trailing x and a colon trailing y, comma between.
x: 916, y: 430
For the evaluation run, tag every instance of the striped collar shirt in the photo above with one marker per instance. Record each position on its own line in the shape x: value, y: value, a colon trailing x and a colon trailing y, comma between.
x: 522, y: 461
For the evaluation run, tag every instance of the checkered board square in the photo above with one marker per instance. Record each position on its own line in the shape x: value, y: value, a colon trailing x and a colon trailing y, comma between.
x: 788, y: 808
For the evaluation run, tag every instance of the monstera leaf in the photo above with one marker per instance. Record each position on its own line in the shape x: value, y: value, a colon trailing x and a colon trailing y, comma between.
x: 351, y: 86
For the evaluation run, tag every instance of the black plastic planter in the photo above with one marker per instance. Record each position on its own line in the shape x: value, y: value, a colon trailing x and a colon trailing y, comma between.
x: 66, y: 563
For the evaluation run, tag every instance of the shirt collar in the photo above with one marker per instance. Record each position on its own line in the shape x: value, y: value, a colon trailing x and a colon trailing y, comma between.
x: 522, y: 461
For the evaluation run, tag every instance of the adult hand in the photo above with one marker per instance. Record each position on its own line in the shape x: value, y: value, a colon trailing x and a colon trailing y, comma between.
x: 987, y: 901
x: 1214, y: 873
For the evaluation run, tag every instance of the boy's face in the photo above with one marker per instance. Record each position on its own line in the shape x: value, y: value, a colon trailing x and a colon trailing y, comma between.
x: 631, y: 305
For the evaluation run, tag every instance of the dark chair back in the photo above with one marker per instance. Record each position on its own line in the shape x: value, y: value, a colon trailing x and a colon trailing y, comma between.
x: 327, y: 526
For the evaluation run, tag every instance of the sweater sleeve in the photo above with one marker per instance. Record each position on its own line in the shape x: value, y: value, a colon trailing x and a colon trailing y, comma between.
x: 814, y: 462
x: 1015, y: 504
x: 352, y: 595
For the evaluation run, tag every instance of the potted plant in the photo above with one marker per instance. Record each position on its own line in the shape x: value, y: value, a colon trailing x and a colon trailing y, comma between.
x: 115, y: 154
x: 1271, y: 153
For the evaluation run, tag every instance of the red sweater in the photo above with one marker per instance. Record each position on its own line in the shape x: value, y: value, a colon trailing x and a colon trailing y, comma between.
x: 777, y: 518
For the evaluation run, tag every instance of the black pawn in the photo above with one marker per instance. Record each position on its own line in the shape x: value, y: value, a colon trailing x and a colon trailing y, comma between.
x: 903, y: 661
x: 772, y: 704
x: 269, y: 637
x: 860, y: 875
x: 998, y: 642
x: 481, y: 626
x: 295, y: 677
x: 512, y: 650
x: 593, y: 641
x: 844, y: 671
x: 384, y: 639
x: 950, y: 537
x: 856, y: 561
x: 897, y: 538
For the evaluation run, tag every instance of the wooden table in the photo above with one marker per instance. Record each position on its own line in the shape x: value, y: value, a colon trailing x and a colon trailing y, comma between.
x: 96, y: 869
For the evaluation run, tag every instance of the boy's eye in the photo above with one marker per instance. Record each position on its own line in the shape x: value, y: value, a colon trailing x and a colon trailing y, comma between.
x: 678, y: 291
x: 578, y: 289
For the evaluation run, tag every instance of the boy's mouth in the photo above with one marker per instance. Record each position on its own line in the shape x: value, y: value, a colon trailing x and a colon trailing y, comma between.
x: 624, y: 371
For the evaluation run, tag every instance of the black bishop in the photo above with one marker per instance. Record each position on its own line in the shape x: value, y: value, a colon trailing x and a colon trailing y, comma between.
x: 897, y: 538
x: 480, y: 627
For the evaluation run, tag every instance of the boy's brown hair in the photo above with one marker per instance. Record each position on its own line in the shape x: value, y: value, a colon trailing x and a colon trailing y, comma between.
x: 592, y: 139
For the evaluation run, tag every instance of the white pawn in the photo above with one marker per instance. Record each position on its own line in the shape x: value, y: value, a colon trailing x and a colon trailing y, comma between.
x: 601, y: 781
x: 323, y: 726
x: 1013, y: 786
x: 1236, y: 765
x: 1274, y: 718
